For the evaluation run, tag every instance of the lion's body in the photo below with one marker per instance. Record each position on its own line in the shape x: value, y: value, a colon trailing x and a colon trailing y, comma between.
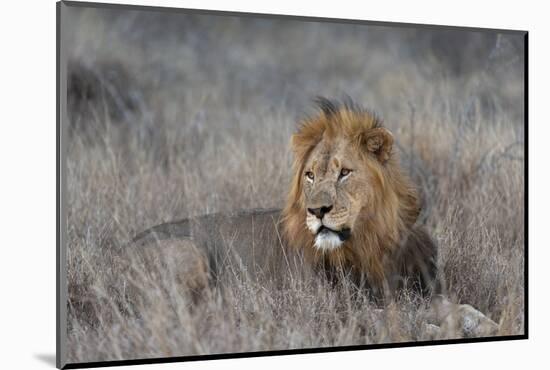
x: 247, y: 242
x: 350, y: 209
x: 254, y: 242
x: 370, y: 230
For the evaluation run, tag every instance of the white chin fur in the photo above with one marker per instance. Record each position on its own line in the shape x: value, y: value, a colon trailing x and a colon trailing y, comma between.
x: 327, y: 241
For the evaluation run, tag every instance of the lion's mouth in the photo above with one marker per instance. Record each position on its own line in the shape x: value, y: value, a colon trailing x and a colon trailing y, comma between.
x: 343, y: 234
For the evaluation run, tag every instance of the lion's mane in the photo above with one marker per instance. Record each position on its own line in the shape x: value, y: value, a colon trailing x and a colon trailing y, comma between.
x: 373, y: 247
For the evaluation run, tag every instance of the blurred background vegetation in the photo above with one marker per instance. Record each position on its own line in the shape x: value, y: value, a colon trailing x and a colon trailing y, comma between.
x: 173, y: 115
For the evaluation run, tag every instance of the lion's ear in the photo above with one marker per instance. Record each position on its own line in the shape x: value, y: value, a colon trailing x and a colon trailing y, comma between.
x: 379, y: 142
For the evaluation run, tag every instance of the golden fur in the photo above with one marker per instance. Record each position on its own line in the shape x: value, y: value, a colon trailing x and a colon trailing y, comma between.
x: 374, y: 240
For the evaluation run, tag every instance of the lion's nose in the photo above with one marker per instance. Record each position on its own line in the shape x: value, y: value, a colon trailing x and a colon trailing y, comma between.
x: 319, y: 212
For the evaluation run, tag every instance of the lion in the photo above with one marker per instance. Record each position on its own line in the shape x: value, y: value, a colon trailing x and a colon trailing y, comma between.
x: 350, y: 209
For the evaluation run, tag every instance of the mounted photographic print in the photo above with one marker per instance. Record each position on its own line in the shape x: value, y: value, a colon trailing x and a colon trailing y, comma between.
x: 234, y: 184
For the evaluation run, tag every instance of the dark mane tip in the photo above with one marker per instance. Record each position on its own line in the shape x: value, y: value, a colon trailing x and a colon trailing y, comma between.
x: 332, y: 106
x: 327, y: 106
x: 351, y: 105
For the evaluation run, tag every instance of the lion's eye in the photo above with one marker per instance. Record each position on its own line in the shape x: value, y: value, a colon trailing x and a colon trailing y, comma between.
x: 344, y: 172
x: 309, y: 175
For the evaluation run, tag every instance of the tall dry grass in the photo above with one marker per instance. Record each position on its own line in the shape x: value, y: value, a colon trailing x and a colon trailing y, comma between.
x: 175, y: 115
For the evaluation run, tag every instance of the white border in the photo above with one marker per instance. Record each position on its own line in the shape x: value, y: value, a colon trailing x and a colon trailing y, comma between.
x: 28, y: 181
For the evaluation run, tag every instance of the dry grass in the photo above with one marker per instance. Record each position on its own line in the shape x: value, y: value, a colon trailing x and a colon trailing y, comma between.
x: 173, y: 116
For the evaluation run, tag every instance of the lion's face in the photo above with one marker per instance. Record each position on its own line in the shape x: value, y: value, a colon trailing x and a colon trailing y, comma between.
x: 338, y: 184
